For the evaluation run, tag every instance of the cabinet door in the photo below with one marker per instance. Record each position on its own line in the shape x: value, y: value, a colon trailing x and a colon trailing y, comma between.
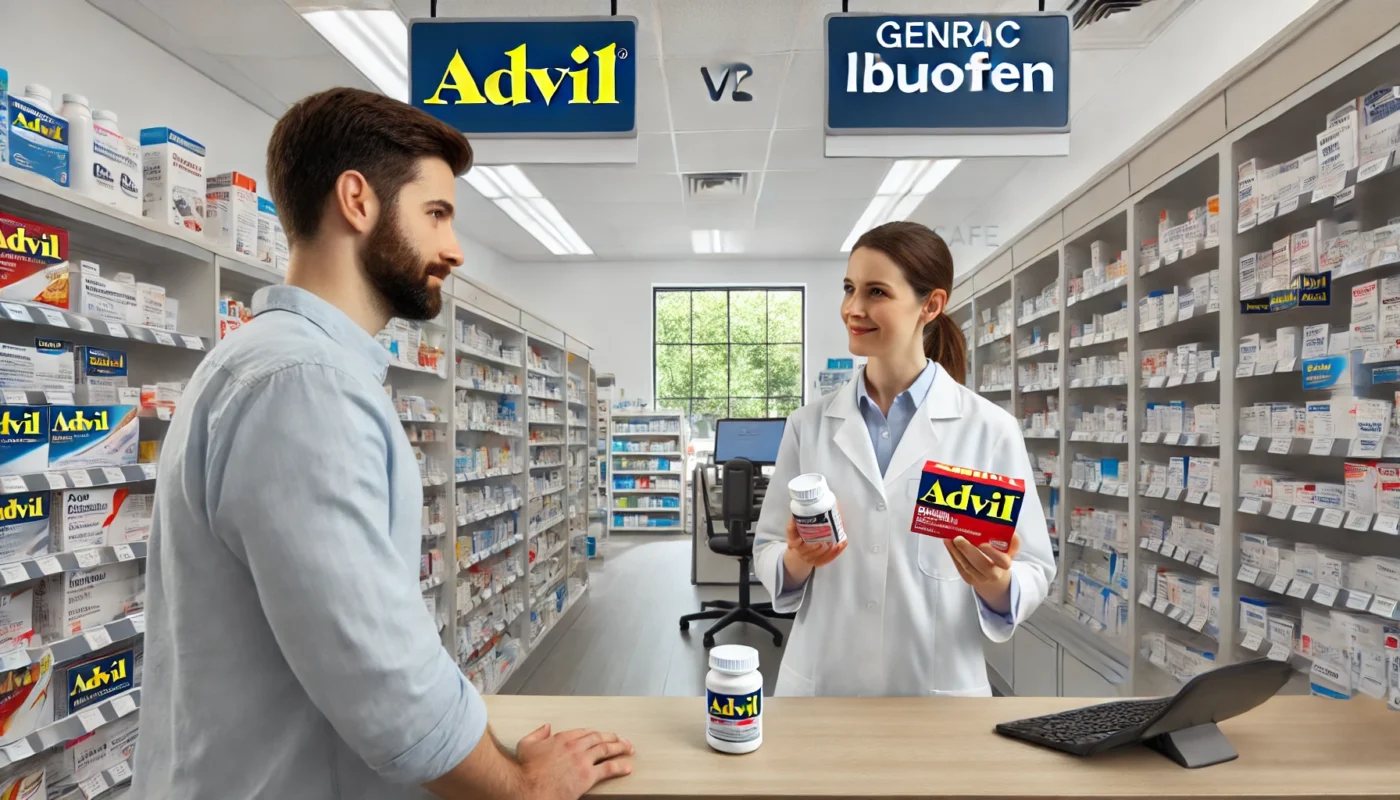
x: 1080, y: 680
x: 1035, y: 664
x: 1000, y: 658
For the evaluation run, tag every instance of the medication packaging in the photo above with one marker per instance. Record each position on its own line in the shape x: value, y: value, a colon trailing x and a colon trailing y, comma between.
x: 92, y: 436
x: 269, y: 226
x: 814, y: 510
x: 17, y: 625
x: 23, y: 781
x: 70, y: 603
x: 100, y: 676
x: 172, y: 171
x: 38, y: 137
x: 4, y: 121
x: 24, y: 526
x: 100, y: 517
x: 26, y: 699
x: 956, y: 501
x: 32, y: 368
x: 118, y: 162
x: 231, y: 213
x: 104, y: 298
x: 734, y: 700
x: 33, y: 262
x: 24, y: 439
x: 81, y: 163
x: 68, y: 767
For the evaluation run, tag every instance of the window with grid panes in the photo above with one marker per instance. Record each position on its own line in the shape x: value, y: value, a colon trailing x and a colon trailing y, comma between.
x: 728, y: 352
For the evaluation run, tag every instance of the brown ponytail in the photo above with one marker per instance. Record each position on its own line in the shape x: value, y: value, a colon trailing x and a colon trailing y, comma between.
x: 923, y: 257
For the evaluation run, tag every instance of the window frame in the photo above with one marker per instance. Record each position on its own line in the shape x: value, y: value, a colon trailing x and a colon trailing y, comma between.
x: 690, y: 290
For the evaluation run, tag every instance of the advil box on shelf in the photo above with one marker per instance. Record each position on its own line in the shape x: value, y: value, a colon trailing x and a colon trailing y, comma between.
x: 71, y: 603
x: 33, y: 262
x: 24, y: 528
x: 93, y: 436
x: 26, y: 699
x: 24, y: 439
x: 16, y: 619
x: 100, y: 517
x: 76, y: 761
x: 99, y: 677
x: 979, y: 506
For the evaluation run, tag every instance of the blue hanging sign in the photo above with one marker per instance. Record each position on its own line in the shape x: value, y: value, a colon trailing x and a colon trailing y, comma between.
x: 947, y: 73
x: 526, y: 78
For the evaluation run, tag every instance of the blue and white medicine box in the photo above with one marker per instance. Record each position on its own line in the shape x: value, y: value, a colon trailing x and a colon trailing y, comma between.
x: 38, y: 141
x: 93, y: 436
x: 24, y: 439
x: 24, y: 527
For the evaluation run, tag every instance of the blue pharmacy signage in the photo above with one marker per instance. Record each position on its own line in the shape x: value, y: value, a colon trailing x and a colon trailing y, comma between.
x: 947, y: 73
x: 527, y: 78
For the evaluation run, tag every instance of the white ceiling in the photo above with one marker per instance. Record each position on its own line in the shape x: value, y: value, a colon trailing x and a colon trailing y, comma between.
x: 798, y: 204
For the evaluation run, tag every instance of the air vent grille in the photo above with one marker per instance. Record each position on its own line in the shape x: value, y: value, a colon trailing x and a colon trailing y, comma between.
x: 716, y: 185
x: 1087, y: 12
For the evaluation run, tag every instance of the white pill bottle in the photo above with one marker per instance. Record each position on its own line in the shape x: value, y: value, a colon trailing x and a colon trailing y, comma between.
x: 734, y: 700
x: 814, y: 510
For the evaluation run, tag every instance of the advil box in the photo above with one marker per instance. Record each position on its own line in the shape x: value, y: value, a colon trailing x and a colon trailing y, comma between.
x: 979, y: 506
x: 23, y: 781
x: 93, y: 436
x: 94, y: 679
x: 24, y: 439
x: 33, y: 262
x: 26, y: 699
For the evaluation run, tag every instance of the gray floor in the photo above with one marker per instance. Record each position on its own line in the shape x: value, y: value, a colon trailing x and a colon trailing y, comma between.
x: 627, y: 640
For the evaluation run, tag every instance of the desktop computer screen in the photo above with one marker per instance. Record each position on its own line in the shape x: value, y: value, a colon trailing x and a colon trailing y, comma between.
x: 754, y: 439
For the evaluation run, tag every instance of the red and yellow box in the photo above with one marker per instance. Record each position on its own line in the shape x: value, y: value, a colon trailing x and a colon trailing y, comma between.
x: 33, y: 262
x: 956, y: 501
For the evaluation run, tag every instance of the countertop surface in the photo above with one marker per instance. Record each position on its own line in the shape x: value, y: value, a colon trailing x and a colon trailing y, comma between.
x: 945, y: 747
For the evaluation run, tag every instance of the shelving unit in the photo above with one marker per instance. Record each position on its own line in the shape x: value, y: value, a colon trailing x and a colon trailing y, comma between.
x: 1039, y: 363
x: 646, y: 472
x: 600, y: 518
x: 993, y: 346
x: 1227, y: 488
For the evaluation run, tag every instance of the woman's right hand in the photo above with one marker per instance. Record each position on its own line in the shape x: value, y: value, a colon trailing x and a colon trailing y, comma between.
x: 811, y: 556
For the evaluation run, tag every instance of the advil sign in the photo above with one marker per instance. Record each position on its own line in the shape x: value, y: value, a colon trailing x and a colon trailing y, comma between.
x: 527, y: 78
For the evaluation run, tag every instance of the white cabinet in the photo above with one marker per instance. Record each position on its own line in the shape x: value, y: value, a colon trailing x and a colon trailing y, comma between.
x: 1000, y: 658
x: 1035, y: 665
x: 1079, y: 680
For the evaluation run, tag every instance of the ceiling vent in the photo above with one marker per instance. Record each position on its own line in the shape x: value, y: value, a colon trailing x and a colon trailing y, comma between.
x: 1087, y: 12
x: 715, y: 185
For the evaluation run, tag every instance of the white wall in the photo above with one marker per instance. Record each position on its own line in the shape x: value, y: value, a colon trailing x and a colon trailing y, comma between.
x: 609, y: 304
x: 1208, y: 40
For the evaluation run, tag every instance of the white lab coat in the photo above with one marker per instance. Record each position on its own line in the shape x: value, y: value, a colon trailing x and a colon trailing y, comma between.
x: 891, y: 616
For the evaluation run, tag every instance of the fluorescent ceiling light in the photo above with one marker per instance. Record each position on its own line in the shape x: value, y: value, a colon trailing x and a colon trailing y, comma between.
x: 375, y: 42
x: 905, y: 186
x: 513, y: 193
x: 711, y: 241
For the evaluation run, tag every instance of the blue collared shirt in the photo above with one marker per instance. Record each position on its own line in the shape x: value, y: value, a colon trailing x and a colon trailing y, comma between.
x: 288, y: 649
x: 885, y: 433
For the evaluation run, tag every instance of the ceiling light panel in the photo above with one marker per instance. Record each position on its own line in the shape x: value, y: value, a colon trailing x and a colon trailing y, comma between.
x: 374, y: 41
x: 905, y: 186
x: 508, y: 187
x: 712, y: 241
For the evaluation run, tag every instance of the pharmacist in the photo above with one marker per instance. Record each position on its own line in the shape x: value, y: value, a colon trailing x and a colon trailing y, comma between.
x: 889, y: 612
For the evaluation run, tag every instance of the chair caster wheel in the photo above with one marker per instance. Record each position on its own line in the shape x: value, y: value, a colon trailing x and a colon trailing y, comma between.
x: 778, y: 640
x: 709, y: 640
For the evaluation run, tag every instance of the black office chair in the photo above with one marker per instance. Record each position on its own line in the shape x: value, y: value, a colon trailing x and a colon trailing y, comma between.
x: 738, y: 508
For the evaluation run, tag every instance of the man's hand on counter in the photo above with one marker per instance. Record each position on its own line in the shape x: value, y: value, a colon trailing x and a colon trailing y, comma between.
x: 566, y: 765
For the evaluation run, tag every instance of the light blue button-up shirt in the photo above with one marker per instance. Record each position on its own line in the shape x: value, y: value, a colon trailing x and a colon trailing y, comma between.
x: 288, y: 650
x: 885, y: 433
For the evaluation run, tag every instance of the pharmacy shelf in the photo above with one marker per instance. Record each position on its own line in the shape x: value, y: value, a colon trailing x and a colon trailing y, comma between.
x: 498, y: 389
x: 43, y: 316
x: 71, y: 727
x: 436, y: 529
x: 647, y: 528
x: 1107, y: 288
x: 1192, y: 619
x: 545, y: 397
x: 77, y: 646
x: 406, y: 367
x: 547, y: 492
x: 480, y: 355
x: 1193, y: 254
x: 645, y: 434
x: 511, y: 431
x: 469, y: 516
x: 550, y: 465
x: 76, y: 478
x: 1037, y: 350
x: 1206, y: 562
x: 1203, y: 377
x: 545, y: 373
x: 657, y: 453
x: 645, y: 472
x: 37, y: 567
x: 1301, y: 446
x: 1039, y: 315
x: 483, y: 555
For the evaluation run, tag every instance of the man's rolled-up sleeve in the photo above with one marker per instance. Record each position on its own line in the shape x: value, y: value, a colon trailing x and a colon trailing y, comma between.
x: 299, y: 491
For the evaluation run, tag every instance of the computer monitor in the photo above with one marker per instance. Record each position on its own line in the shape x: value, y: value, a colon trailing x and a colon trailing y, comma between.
x: 754, y: 439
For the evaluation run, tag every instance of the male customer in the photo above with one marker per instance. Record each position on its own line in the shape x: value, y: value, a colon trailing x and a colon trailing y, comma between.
x: 289, y: 655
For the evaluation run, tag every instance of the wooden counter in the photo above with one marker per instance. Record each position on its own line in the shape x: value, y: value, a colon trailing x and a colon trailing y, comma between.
x: 945, y: 747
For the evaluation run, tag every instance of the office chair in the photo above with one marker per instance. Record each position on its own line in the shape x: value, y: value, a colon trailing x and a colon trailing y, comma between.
x: 738, y: 509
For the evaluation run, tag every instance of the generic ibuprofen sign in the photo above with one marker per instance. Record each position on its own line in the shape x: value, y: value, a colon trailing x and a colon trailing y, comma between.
x: 945, y: 73
x: 527, y: 78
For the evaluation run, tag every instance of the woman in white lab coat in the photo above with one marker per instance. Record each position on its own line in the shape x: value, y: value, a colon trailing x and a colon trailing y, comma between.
x: 889, y: 612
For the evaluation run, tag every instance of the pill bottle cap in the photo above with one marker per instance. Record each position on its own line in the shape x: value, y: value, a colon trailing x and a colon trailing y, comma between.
x: 735, y: 659
x: 38, y: 90
x: 75, y: 98
x: 105, y: 115
x: 807, y: 487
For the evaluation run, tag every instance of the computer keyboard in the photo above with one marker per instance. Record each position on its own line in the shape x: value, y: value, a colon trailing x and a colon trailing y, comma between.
x: 1084, y: 727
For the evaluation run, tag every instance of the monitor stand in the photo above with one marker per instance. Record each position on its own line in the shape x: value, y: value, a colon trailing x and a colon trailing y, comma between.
x: 1195, y: 747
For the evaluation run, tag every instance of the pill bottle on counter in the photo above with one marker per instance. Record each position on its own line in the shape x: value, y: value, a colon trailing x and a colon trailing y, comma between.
x: 734, y: 700
x: 814, y: 510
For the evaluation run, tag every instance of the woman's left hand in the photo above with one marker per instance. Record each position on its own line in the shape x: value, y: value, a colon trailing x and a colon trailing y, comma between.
x: 986, y: 569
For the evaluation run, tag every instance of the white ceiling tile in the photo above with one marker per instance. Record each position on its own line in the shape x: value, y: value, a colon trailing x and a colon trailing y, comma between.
x: 723, y: 215
x: 799, y: 149
x: 241, y: 27
x: 721, y: 151
x: 656, y: 153
x: 842, y: 179
x: 740, y: 29
x: 290, y: 79
x: 479, y: 219
x: 804, y: 96
x: 693, y: 110
x: 605, y: 184
x: 651, y: 97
